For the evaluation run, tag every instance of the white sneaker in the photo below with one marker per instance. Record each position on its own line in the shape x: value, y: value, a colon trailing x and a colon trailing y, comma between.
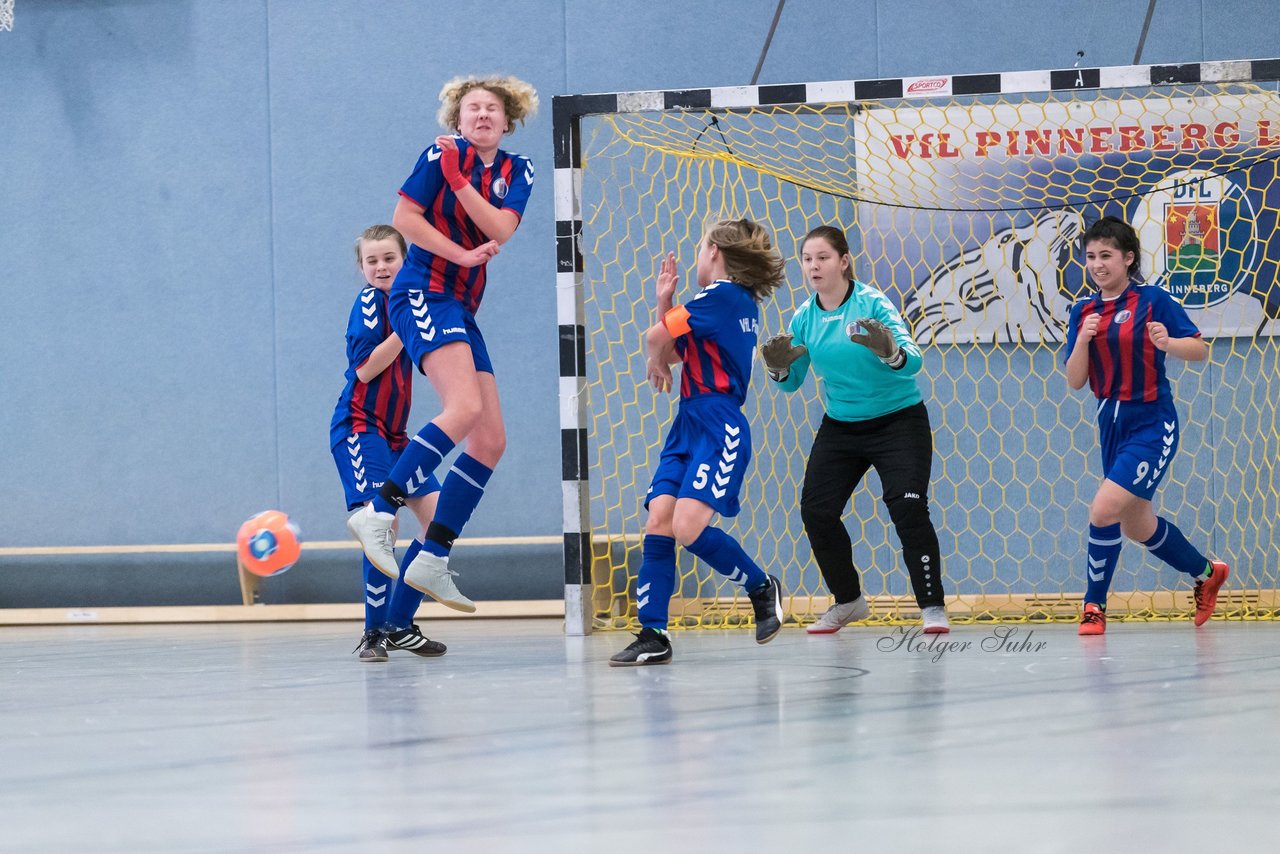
x: 375, y: 532
x: 935, y: 620
x: 431, y: 575
x: 840, y: 615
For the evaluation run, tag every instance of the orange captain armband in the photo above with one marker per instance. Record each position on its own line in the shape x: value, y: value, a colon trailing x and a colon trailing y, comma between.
x: 677, y: 321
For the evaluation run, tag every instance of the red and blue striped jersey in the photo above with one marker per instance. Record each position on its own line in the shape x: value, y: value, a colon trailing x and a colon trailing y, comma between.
x: 715, y: 336
x: 505, y: 184
x: 1123, y: 363
x: 381, y: 405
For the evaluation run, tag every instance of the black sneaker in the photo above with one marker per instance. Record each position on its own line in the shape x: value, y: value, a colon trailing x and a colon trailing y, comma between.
x: 650, y: 647
x: 767, y: 602
x: 413, y: 640
x: 373, y: 646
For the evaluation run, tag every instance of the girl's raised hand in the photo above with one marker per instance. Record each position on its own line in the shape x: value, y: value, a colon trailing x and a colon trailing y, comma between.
x: 668, y: 278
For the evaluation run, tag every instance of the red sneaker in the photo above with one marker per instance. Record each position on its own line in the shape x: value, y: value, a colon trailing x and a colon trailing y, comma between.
x: 1207, y: 591
x: 1093, y: 621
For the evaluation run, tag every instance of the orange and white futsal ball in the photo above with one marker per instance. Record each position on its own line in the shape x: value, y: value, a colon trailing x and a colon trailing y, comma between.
x: 269, y: 543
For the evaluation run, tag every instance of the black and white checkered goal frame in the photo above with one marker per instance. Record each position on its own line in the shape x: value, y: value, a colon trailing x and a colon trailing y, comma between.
x: 567, y: 114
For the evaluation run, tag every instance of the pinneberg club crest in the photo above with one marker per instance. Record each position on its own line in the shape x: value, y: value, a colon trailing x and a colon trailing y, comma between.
x: 1207, y: 236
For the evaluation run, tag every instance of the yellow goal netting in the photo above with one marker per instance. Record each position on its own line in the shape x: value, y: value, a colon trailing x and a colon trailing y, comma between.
x: 967, y: 212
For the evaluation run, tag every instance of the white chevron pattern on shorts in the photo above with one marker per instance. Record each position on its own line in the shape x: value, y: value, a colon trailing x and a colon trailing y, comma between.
x: 357, y: 461
x: 422, y: 315
x: 1170, y: 434
x: 728, y: 457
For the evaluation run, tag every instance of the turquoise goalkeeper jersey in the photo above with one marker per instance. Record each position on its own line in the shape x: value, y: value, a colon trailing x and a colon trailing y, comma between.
x: 855, y: 384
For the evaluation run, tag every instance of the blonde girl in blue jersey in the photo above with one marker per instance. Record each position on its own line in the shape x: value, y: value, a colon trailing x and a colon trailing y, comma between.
x: 856, y: 342
x: 464, y: 199
x: 708, y: 448
x: 1117, y: 341
x: 367, y: 435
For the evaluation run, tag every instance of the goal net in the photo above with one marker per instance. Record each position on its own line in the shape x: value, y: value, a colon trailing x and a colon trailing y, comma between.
x: 964, y: 199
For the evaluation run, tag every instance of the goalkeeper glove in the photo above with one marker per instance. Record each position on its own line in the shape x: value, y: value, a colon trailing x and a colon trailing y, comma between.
x: 779, y: 354
x: 877, y: 338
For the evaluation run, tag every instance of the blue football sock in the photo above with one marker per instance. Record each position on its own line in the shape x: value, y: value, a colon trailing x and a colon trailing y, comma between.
x: 375, y: 596
x: 1103, y: 553
x: 404, y: 599
x: 1168, y: 544
x: 410, y: 477
x: 462, y: 490
x: 726, y: 557
x: 657, y: 581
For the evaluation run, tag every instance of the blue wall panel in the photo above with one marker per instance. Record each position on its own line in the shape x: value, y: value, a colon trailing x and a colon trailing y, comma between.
x: 180, y: 183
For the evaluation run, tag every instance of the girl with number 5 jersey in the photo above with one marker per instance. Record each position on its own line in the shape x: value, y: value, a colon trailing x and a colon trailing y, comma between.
x: 708, y: 448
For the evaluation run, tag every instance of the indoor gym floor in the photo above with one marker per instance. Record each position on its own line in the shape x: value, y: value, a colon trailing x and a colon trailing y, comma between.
x: 272, y: 737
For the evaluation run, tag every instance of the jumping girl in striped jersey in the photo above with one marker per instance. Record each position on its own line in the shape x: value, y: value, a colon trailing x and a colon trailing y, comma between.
x: 465, y: 198
x: 1117, y: 341
x: 367, y: 434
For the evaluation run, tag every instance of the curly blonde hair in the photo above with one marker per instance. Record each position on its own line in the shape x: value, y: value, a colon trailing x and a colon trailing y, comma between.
x: 519, y: 99
x: 750, y: 258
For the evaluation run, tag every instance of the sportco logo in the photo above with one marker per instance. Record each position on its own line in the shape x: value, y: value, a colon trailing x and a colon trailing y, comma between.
x: 925, y: 85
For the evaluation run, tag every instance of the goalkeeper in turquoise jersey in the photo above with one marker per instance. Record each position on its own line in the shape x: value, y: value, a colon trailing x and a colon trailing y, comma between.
x: 859, y: 346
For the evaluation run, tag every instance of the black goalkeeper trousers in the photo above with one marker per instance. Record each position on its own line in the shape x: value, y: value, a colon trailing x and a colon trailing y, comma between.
x: 900, y: 448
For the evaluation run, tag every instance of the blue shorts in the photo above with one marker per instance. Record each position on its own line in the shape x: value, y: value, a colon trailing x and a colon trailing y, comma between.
x: 427, y: 322
x: 706, y: 456
x: 364, y: 460
x: 1138, y: 441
